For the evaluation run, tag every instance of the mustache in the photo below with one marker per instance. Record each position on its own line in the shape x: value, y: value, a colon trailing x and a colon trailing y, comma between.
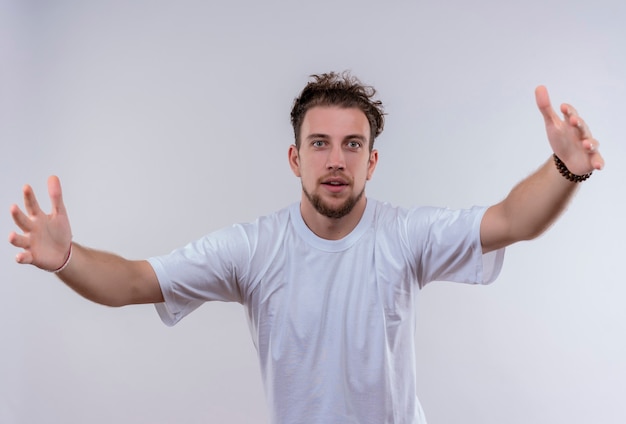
x: 336, y: 176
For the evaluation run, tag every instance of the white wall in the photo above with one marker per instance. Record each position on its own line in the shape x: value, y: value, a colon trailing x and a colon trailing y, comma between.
x: 166, y: 120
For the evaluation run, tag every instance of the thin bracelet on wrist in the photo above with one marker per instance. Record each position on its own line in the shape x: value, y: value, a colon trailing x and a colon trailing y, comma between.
x: 66, y: 263
x: 566, y: 172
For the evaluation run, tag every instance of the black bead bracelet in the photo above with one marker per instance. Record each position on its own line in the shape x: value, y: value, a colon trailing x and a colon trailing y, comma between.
x: 566, y: 172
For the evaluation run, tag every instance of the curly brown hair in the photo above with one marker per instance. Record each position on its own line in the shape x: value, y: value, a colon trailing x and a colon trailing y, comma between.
x: 338, y: 89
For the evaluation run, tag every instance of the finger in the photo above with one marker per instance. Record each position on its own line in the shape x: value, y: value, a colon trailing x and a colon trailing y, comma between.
x: 30, y: 201
x: 568, y: 110
x: 597, y: 161
x: 18, y: 240
x: 581, y: 125
x: 24, y: 257
x: 545, y: 107
x: 21, y: 219
x: 56, y: 195
x: 574, y: 119
x: 591, y: 144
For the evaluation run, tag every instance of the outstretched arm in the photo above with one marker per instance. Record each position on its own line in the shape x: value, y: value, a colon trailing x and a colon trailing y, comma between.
x: 102, y: 277
x: 535, y: 203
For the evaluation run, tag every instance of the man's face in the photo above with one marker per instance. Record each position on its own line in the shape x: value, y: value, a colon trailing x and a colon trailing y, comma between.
x: 334, y: 160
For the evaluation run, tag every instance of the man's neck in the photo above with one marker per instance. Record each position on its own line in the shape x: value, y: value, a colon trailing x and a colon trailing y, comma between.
x: 331, y: 228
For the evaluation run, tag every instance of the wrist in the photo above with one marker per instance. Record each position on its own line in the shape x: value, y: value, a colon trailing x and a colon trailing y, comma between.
x: 66, y: 263
x: 566, y: 173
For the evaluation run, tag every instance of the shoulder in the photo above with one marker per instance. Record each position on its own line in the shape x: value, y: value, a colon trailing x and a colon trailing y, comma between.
x: 424, y: 219
x: 269, y: 222
x: 386, y: 213
x: 265, y: 228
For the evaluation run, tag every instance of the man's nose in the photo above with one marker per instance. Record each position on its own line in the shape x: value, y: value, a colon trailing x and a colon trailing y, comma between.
x: 336, y: 158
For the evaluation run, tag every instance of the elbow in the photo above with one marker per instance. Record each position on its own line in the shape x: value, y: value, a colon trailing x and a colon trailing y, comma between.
x: 533, y: 233
x: 113, y: 303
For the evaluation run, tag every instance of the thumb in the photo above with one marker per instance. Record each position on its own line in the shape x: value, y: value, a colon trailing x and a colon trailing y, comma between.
x: 543, y: 103
x: 56, y: 195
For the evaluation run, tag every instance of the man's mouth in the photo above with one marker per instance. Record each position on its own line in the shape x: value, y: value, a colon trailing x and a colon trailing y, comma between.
x: 335, y: 181
x: 335, y: 184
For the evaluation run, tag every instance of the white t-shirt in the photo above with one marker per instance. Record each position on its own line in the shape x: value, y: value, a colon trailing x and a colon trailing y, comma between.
x: 333, y: 321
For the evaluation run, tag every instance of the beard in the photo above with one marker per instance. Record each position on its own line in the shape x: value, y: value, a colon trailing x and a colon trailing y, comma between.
x: 333, y: 212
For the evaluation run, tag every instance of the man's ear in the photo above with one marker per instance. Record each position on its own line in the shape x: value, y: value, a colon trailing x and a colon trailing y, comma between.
x: 294, y: 160
x: 373, y: 160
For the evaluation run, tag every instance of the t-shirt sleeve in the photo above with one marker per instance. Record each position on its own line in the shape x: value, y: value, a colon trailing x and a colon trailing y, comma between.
x: 447, y: 245
x: 208, y: 269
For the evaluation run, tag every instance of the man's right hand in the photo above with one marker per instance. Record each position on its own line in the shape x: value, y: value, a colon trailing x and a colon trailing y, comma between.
x: 102, y: 277
x: 45, y: 239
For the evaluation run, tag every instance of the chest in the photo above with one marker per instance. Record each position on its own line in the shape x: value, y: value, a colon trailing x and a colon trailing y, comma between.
x: 307, y: 296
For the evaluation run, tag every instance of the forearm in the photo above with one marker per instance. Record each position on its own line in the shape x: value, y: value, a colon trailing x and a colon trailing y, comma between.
x: 529, y: 209
x: 109, y: 279
x: 535, y: 203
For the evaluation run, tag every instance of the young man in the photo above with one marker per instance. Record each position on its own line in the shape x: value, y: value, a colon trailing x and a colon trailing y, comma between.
x: 329, y: 284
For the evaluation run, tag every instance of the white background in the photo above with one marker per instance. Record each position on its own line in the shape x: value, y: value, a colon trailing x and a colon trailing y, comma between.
x: 166, y: 120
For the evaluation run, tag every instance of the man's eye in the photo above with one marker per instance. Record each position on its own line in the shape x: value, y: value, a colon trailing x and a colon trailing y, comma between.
x: 318, y: 143
x: 354, y: 144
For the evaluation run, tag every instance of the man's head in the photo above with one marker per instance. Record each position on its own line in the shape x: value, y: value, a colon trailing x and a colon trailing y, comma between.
x: 338, y: 90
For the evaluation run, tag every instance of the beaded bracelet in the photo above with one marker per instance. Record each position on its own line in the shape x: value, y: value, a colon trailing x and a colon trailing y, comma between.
x: 566, y: 172
x: 66, y: 263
